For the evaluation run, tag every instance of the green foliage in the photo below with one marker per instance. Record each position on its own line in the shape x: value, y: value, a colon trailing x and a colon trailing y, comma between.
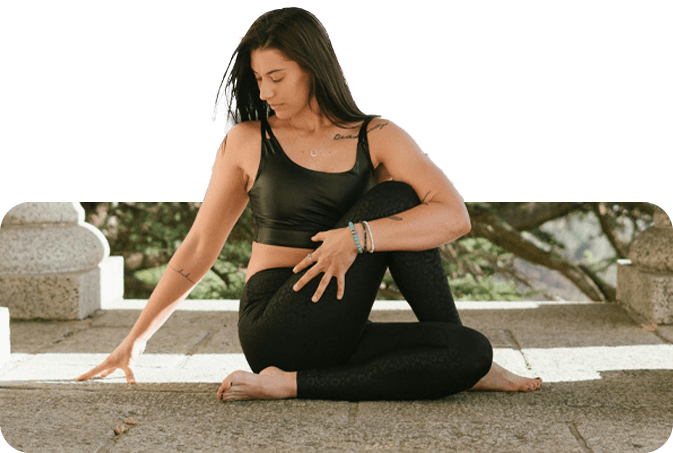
x: 483, y: 287
x: 148, y: 234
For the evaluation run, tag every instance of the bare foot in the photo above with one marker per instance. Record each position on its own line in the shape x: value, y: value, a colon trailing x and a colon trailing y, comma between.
x: 270, y: 383
x: 500, y: 380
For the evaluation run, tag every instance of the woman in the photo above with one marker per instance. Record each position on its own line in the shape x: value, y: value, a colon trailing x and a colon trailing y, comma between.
x: 329, y: 221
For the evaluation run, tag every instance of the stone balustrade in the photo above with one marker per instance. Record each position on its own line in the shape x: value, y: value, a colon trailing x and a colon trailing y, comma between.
x: 5, y: 348
x: 645, y: 280
x: 53, y: 265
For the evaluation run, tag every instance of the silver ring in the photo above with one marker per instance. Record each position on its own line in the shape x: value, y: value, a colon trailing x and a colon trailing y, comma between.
x: 309, y: 257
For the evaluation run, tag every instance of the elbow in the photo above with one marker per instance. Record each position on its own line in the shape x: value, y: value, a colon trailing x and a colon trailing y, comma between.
x: 460, y: 226
x: 464, y: 227
x: 467, y: 226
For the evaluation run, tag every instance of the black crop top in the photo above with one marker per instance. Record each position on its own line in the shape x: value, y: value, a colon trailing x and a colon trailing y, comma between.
x: 290, y: 203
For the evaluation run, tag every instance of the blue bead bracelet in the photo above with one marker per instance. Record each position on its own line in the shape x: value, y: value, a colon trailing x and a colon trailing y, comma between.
x: 355, y: 236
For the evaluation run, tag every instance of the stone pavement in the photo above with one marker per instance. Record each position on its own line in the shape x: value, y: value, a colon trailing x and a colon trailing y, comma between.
x: 608, y: 388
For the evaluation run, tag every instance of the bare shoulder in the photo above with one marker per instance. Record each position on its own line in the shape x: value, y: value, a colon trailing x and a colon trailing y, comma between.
x: 241, y: 149
x: 386, y: 132
x: 242, y: 136
x: 385, y: 137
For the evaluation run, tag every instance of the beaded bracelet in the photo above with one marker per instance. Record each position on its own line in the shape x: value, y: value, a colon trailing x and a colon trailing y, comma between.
x: 364, y: 231
x: 371, y: 237
x: 355, y: 236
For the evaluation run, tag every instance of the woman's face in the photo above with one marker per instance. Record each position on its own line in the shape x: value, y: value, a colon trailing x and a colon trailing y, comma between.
x: 282, y: 83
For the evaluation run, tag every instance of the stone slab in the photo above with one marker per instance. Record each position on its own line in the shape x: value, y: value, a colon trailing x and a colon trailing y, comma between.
x: 622, y: 402
x: 562, y: 326
x: 32, y: 337
x: 560, y: 417
x: 649, y: 294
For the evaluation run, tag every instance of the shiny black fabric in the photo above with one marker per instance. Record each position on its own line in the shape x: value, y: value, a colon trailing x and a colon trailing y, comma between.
x: 336, y: 351
x: 290, y: 203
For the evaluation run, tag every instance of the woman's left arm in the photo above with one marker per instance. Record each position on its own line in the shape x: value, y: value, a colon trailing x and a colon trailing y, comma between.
x: 441, y: 216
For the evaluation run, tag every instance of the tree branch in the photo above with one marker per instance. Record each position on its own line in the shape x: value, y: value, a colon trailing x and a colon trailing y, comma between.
x: 527, y: 216
x: 508, y: 269
x: 601, y: 212
x: 504, y: 235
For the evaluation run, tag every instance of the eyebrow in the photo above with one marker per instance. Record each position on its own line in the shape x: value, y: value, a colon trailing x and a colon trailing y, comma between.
x: 270, y: 72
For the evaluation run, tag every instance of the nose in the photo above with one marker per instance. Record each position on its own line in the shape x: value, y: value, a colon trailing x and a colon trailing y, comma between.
x: 265, y: 91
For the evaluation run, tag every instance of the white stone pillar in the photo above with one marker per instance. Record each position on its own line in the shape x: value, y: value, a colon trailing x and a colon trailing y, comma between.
x: 53, y: 265
x: 645, y: 280
x: 5, y: 345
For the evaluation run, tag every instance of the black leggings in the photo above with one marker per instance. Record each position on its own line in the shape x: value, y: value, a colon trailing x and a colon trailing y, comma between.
x: 340, y: 355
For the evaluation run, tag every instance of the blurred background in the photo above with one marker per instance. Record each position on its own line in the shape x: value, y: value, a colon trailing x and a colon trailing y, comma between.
x: 515, y: 251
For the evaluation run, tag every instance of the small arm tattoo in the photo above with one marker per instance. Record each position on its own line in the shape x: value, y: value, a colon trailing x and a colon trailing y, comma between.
x: 425, y: 197
x: 182, y: 273
x: 396, y: 218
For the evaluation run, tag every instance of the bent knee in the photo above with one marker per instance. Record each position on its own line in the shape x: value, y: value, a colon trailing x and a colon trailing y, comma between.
x: 481, y: 356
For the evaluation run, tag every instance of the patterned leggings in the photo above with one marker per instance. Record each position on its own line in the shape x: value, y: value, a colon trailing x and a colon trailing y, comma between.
x: 340, y: 355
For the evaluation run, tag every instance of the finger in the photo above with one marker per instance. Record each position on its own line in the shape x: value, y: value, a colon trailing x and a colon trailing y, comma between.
x: 320, y: 237
x: 303, y: 264
x: 341, y: 286
x: 307, y: 277
x: 108, y: 372
x: 324, y: 281
x: 130, y: 376
x: 92, y: 373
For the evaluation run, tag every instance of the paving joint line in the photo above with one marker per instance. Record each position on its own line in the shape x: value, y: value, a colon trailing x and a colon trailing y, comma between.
x: 517, y: 346
x: 578, y: 437
x: 353, y: 413
x: 191, y: 347
x: 195, y: 342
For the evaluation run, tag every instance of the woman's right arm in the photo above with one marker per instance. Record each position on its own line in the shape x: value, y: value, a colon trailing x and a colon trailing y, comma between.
x: 223, y: 204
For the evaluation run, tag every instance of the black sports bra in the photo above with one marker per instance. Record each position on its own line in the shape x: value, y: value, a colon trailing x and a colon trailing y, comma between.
x: 291, y: 203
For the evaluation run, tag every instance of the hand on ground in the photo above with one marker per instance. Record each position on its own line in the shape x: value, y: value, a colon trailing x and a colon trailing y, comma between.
x: 124, y: 357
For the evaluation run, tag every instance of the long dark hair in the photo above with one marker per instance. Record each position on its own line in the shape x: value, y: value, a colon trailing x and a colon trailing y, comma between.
x: 302, y: 38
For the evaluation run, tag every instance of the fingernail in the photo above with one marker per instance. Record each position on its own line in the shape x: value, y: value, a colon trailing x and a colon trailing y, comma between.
x: 315, y: 299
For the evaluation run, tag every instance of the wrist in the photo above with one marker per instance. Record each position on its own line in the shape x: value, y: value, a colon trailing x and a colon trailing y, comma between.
x: 356, y: 231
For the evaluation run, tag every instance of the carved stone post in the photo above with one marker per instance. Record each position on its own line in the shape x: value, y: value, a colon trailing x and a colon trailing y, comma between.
x: 53, y: 265
x: 645, y: 280
x: 5, y: 345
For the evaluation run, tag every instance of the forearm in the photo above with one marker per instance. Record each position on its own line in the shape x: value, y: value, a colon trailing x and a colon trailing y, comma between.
x: 185, y: 269
x: 423, y: 227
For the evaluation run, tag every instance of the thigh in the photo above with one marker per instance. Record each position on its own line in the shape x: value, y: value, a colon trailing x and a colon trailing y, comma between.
x: 281, y: 327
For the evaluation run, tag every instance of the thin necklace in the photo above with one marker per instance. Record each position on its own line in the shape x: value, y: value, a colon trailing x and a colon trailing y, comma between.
x: 314, y: 153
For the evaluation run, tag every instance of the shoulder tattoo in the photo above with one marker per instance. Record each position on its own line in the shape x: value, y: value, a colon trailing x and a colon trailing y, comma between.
x: 353, y: 137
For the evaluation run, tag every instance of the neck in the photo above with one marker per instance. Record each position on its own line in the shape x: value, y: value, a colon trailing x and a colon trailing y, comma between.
x: 310, y: 120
